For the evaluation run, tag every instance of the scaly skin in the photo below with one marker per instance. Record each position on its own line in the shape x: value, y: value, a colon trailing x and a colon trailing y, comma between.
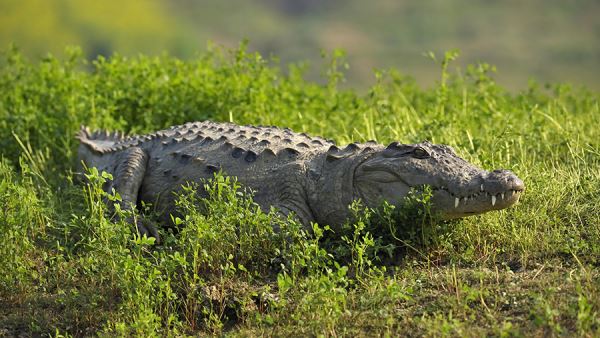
x: 309, y: 176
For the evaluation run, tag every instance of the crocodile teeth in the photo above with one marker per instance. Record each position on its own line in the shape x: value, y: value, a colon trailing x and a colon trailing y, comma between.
x: 481, y: 187
x: 456, y: 200
x: 493, y: 200
x: 502, y: 195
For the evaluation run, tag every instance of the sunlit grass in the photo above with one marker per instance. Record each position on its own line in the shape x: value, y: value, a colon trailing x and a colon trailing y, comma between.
x: 68, y: 267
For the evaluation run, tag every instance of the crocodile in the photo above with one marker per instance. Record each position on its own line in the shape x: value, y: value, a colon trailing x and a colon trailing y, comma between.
x: 310, y: 177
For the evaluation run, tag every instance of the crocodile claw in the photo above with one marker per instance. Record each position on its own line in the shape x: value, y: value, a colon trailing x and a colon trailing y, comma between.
x: 144, y: 227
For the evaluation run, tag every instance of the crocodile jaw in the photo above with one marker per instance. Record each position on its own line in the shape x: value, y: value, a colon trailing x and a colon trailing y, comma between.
x: 452, y: 206
x: 495, y: 190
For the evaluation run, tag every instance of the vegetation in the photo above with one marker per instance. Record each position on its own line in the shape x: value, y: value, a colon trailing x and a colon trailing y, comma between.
x: 68, y: 268
x: 548, y: 40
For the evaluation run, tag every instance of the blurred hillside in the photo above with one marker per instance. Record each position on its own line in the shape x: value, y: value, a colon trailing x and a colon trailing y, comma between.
x: 549, y: 40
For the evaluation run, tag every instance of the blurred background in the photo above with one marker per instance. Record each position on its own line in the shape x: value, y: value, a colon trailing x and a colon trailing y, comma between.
x: 547, y: 40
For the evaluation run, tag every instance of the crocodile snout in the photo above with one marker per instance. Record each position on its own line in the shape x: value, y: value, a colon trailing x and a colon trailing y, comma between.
x: 486, y: 191
x: 500, y: 181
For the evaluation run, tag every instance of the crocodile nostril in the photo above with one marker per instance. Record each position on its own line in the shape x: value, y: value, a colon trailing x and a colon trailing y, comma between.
x: 501, y: 180
x: 517, y: 183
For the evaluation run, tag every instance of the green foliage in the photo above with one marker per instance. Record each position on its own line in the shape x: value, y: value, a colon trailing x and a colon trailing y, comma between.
x: 71, y: 265
x: 544, y: 39
x: 22, y: 221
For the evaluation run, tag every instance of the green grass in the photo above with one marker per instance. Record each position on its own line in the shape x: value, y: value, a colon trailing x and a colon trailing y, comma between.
x: 69, y: 269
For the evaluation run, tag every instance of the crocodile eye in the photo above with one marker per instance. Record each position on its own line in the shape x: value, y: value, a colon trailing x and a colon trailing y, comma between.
x: 419, y: 152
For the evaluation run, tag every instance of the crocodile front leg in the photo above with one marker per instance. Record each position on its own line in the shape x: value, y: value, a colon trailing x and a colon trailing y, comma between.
x: 300, y: 213
x: 128, y: 177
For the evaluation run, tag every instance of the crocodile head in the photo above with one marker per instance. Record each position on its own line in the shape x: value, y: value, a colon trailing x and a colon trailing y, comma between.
x: 459, y: 188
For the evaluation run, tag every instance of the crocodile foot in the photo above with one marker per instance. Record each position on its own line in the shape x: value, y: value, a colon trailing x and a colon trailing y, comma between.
x: 145, y: 227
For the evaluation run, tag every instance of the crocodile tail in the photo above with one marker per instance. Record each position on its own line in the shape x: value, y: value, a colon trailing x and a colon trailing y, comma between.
x: 100, y: 141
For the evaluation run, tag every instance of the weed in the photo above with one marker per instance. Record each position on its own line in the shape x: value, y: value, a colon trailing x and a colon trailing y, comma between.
x: 74, y: 266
